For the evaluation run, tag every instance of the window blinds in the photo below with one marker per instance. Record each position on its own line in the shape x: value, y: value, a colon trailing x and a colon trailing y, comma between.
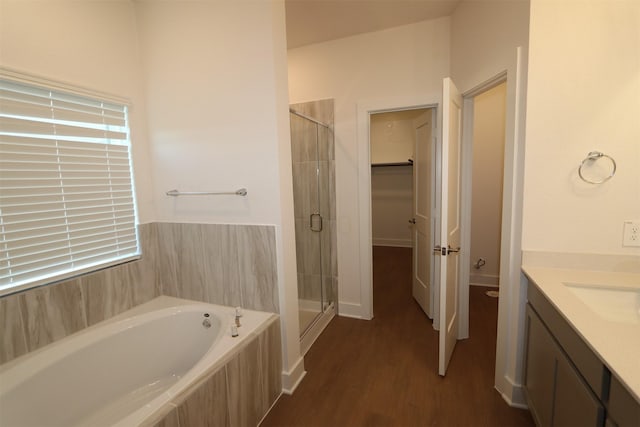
x: 67, y: 200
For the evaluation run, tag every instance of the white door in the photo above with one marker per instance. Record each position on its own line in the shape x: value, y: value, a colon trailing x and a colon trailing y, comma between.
x: 449, y: 222
x: 423, y: 182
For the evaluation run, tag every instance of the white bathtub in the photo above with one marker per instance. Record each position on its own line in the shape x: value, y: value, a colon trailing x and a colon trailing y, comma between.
x: 122, y: 371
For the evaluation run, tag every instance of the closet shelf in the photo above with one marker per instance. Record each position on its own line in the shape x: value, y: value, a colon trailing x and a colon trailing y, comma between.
x: 376, y: 165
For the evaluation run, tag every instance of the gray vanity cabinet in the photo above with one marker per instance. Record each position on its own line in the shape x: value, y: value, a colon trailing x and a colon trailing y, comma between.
x: 556, y: 393
x: 574, y: 403
x: 566, y: 384
x: 542, y: 353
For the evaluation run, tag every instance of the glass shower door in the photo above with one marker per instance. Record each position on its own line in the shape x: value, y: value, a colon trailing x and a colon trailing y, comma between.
x: 311, y: 196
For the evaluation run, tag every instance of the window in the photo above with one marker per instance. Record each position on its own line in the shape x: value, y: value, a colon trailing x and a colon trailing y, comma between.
x: 67, y: 203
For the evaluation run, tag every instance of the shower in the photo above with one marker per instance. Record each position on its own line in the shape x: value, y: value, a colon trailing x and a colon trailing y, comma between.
x: 313, y: 164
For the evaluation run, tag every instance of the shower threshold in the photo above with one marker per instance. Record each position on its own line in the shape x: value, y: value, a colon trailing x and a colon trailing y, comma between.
x: 318, y: 323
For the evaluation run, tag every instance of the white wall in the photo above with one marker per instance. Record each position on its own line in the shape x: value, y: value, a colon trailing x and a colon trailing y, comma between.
x: 87, y: 44
x: 211, y: 108
x: 391, y: 205
x: 399, y: 63
x: 584, y: 95
x: 484, y: 40
x: 216, y: 83
x: 392, y: 137
x: 486, y: 206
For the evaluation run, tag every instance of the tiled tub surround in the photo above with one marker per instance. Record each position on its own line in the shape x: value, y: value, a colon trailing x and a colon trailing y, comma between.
x: 117, y: 354
x: 231, y: 265
x: 239, y: 392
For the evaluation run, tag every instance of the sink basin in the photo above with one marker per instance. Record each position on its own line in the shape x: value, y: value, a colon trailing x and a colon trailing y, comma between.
x: 616, y: 304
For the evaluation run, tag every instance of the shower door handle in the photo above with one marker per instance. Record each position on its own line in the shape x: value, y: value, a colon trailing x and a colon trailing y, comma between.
x: 315, y: 222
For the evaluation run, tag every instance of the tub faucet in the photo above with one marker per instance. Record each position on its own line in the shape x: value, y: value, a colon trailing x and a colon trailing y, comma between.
x: 238, y: 316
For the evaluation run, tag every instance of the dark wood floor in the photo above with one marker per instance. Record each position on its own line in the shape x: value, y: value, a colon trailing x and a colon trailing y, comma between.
x: 383, y: 372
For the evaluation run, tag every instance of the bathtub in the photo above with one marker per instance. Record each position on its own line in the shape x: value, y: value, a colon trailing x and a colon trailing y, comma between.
x: 126, y: 370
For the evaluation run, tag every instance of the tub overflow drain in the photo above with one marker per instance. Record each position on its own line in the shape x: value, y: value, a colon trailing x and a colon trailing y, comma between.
x: 206, y: 322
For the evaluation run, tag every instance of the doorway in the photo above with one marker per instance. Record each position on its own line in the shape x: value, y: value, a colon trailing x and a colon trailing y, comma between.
x: 402, y: 196
x: 483, y: 160
x: 489, y: 116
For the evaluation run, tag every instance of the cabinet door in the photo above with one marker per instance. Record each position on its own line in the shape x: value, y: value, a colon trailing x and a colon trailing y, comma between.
x: 623, y: 408
x: 575, y: 404
x: 540, y: 369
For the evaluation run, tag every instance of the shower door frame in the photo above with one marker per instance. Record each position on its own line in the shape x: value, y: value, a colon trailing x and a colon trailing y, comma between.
x: 325, y: 304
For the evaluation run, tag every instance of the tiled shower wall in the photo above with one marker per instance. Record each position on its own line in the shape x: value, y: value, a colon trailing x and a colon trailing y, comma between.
x: 221, y: 264
x: 316, y: 252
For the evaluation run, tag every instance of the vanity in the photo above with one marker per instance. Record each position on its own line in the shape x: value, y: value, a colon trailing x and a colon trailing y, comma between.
x: 582, y: 347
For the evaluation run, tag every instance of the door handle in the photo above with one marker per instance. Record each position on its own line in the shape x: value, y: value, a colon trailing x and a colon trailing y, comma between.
x: 445, y: 251
x: 450, y: 249
x: 315, y: 222
x: 412, y: 221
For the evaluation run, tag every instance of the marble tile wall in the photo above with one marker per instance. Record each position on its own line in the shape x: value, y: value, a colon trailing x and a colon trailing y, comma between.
x: 240, y: 393
x: 222, y: 264
x: 312, y: 151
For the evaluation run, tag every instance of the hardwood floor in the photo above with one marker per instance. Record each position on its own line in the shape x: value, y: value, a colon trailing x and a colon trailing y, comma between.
x: 383, y: 372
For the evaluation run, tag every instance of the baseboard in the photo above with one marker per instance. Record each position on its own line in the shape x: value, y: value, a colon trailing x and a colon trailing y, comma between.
x: 483, y: 285
x: 291, y: 379
x: 514, y: 395
x: 483, y: 279
x: 346, y: 309
x: 395, y: 243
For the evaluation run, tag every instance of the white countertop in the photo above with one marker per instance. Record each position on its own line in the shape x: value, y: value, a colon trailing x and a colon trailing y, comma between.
x: 615, y: 342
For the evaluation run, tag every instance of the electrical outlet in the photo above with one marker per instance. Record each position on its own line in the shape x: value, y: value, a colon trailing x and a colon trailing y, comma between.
x: 631, y: 233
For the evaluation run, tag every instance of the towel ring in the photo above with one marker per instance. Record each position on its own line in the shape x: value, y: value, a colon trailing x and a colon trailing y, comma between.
x: 592, y: 157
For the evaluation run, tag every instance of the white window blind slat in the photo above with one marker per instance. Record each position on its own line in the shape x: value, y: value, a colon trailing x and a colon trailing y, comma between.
x: 39, y: 194
x: 16, y: 90
x: 57, y: 241
x: 43, y: 127
x: 17, y: 223
x: 66, y: 185
x: 37, y: 246
x: 37, y: 268
x: 43, y: 111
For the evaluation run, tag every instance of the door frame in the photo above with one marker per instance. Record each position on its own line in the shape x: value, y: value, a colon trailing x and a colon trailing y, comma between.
x: 511, y: 305
x: 466, y: 189
x: 365, y: 109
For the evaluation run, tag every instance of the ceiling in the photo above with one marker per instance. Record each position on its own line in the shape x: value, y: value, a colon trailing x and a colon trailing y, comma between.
x: 315, y: 21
